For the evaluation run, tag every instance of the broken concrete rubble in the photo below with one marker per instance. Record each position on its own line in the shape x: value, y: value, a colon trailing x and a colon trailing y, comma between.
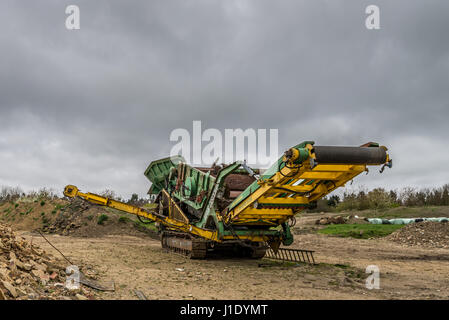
x: 28, y: 272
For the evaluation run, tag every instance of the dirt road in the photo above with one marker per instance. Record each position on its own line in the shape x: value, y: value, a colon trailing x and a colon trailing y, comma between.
x: 405, y: 272
x: 139, y: 263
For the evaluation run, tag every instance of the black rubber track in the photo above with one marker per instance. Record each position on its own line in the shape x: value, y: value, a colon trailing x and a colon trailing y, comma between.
x: 350, y: 155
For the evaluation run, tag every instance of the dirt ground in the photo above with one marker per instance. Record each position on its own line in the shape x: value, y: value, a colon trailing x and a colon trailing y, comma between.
x: 138, y: 262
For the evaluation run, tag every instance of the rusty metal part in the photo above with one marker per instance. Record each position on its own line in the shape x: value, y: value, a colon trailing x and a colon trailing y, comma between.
x: 234, y: 194
x: 238, y: 182
x: 140, y: 295
x: 212, y: 170
x: 292, y: 255
x: 109, y: 286
x: 174, y: 211
x: 201, y: 196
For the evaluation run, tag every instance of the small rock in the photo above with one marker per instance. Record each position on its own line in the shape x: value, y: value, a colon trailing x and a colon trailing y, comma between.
x: 80, y: 297
x: 41, y: 275
x: 12, y: 266
x: 40, y: 266
x: 4, y: 273
x: 20, y: 292
x: 26, y: 266
x: 8, y: 286
x: 2, y: 295
x: 32, y: 296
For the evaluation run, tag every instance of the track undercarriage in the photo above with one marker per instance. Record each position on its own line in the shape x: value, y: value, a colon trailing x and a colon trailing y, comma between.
x: 185, y: 244
x: 198, y: 248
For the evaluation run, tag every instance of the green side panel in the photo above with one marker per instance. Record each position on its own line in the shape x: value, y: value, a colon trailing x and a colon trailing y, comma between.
x: 210, y: 208
x: 269, y: 173
x: 158, y: 171
x: 195, y: 184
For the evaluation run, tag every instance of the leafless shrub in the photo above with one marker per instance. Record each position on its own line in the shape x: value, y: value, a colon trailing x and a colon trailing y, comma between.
x: 110, y: 194
x: 380, y: 198
x: 10, y: 193
x: 136, y: 201
x: 43, y: 194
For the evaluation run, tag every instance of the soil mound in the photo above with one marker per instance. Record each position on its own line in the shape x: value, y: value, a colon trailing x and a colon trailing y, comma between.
x: 82, y: 219
x: 73, y: 217
x: 426, y: 234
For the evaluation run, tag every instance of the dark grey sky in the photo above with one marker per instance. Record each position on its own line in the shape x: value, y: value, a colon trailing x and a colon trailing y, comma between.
x: 93, y: 107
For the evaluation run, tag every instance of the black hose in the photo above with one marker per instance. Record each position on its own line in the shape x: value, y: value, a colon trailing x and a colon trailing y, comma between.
x: 288, y: 176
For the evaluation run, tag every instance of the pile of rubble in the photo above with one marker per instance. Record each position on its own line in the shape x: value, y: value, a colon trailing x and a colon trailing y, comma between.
x: 426, y: 234
x: 340, y: 220
x: 69, y: 218
x: 28, y: 272
x: 79, y: 218
x: 330, y: 220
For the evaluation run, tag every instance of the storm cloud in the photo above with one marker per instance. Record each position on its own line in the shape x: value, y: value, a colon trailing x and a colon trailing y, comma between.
x: 93, y: 107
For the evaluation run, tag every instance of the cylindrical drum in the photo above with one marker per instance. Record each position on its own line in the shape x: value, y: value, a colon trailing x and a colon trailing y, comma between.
x: 350, y: 155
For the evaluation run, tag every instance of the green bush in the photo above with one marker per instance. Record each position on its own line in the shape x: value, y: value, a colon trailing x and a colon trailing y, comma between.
x: 102, y: 218
x: 59, y: 207
x: 123, y: 219
x: 377, y: 199
x: 45, y: 221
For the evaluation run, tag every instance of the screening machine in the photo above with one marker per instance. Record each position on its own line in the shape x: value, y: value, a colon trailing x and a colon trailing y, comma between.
x: 239, y: 209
